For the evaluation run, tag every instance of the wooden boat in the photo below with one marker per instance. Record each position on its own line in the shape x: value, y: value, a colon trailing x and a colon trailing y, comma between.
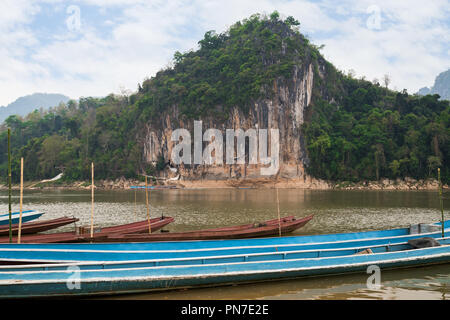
x: 154, y: 187
x: 144, y: 276
x: 168, y: 250
x: 134, y: 229
x: 62, y: 237
x: 37, y: 226
x: 319, y: 239
x: 83, y: 253
x: 215, y: 259
x: 91, y: 253
x: 240, y: 232
x: 137, y: 227
x: 27, y: 215
x: 58, y: 237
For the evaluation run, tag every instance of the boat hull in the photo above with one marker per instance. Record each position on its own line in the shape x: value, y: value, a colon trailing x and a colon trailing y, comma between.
x: 321, y: 239
x: 33, y: 255
x: 71, y: 237
x: 240, y: 232
x: 170, y: 250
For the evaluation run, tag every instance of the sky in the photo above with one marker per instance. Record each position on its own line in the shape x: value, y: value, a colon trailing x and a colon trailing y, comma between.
x: 86, y: 48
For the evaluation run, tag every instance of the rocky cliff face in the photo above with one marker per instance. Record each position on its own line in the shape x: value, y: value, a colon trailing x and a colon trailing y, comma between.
x: 285, y: 110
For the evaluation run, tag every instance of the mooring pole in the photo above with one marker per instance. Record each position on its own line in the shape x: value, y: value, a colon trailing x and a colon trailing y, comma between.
x: 9, y: 184
x: 92, y: 201
x: 148, y: 207
x: 135, y: 203
x: 279, y: 219
x: 441, y: 201
x: 19, y: 234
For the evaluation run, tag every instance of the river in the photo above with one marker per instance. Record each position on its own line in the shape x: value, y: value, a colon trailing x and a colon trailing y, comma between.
x: 335, y: 211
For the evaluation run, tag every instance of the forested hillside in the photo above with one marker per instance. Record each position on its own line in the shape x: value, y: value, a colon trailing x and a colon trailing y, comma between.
x: 354, y: 129
x: 378, y: 133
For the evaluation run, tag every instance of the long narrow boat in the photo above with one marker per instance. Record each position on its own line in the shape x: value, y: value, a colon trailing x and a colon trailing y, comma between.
x: 27, y: 215
x: 143, y: 228
x: 67, y: 237
x: 170, y: 250
x: 75, y: 281
x: 280, y: 254
x: 154, y: 187
x: 135, y: 228
x: 325, y: 239
x: 37, y: 226
x: 34, y: 255
x: 270, y: 228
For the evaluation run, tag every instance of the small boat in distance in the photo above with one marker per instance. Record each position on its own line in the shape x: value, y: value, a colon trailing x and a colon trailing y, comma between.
x: 154, y: 187
x: 15, y: 216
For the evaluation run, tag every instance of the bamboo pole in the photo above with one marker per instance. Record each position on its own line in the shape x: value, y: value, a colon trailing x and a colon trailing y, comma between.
x: 279, y: 219
x: 19, y: 234
x: 135, y: 203
x: 9, y: 185
x: 148, y: 208
x: 92, y: 201
x: 441, y: 201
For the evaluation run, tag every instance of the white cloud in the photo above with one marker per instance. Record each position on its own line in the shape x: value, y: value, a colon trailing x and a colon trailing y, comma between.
x: 127, y: 41
x: 16, y: 38
x: 410, y: 46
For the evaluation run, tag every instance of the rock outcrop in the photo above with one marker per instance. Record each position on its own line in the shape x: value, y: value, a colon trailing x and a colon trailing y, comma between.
x: 285, y: 110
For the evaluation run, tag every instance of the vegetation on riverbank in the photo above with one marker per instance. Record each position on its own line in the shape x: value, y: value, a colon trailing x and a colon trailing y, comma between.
x: 407, y: 184
x: 377, y: 133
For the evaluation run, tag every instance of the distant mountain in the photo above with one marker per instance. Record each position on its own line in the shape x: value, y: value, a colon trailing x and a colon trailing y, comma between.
x: 24, y: 105
x: 441, y: 86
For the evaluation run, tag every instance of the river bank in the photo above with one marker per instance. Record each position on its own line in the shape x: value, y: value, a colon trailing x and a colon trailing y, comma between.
x: 260, y: 183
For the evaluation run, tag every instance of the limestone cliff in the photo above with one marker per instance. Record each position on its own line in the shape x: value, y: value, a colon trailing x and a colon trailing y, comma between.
x: 286, y: 111
x: 262, y: 74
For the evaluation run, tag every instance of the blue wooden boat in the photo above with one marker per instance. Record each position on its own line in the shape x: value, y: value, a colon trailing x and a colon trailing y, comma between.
x: 171, y: 250
x: 234, y: 257
x: 217, y: 244
x: 135, y: 277
x: 15, y: 216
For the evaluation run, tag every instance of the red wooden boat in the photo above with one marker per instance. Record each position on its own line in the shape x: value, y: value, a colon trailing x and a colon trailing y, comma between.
x: 37, y: 226
x: 61, y: 237
x: 250, y: 225
x: 270, y: 228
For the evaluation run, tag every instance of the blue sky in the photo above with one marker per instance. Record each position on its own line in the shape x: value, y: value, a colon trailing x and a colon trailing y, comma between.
x: 97, y: 47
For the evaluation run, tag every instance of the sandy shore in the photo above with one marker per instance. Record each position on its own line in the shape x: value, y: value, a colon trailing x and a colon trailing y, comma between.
x: 261, y: 183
